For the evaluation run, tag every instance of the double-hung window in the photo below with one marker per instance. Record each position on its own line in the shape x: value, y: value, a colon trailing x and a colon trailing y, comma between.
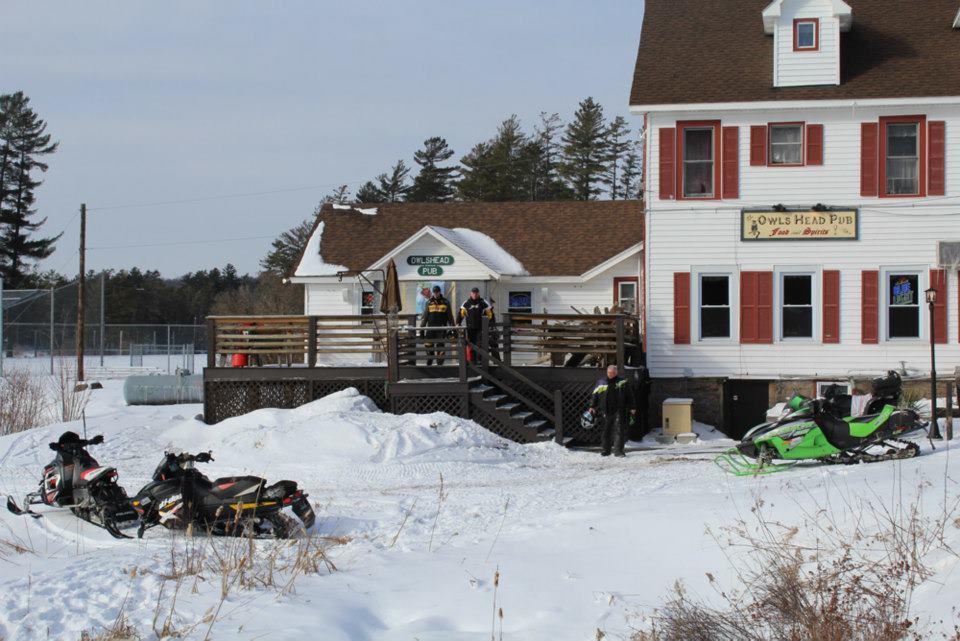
x: 796, y: 308
x: 714, y: 306
x: 626, y: 294
x: 699, y: 144
x: 902, y: 161
x: 786, y: 144
x: 903, y: 304
x: 806, y: 34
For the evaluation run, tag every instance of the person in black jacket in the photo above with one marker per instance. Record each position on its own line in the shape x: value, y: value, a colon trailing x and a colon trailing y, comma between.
x: 437, y: 314
x: 612, y: 399
x: 472, y: 311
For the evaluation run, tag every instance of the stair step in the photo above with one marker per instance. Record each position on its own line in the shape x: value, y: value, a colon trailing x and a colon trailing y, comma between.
x: 546, y: 435
x: 540, y: 424
x: 483, y: 387
x: 522, y: 416
x: 496, y: 398
x: 509, y: 407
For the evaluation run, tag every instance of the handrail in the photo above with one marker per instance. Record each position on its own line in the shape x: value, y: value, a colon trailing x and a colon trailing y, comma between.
x: 496, y: 361
x: 509, y: 390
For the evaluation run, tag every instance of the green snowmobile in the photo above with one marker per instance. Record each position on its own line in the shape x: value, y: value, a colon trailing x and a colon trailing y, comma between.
x: 813, y: 430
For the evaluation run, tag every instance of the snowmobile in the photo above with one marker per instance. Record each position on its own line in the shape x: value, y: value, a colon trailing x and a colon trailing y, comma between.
x: 812, y: 429
x: 180, y: 496
x: 76, y: 481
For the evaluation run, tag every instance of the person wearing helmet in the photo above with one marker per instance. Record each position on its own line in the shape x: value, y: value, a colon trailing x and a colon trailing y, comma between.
x: 612, y: 400
x: 472, y: 311
x: 437, y: 314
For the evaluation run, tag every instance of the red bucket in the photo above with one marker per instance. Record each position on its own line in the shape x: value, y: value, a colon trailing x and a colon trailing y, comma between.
x: 238, y: 360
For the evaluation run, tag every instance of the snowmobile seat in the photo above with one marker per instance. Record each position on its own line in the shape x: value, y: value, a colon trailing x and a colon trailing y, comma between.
x: 235, y: 486
x: 836, y: 430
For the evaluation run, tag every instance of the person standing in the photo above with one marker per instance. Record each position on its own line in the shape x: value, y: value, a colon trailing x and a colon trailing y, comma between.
x: 472, y: 311
x: 439, y: 315
x: 613, y: 401
x: 422, y: 299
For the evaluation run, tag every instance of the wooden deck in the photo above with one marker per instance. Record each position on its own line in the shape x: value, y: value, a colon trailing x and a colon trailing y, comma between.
x: 499, y: 386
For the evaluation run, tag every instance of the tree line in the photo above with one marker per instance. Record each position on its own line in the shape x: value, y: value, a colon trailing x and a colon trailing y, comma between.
x: 588, y: 158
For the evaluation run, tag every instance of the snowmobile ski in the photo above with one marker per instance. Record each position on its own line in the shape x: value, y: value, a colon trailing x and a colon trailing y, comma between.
x: 20, y: 511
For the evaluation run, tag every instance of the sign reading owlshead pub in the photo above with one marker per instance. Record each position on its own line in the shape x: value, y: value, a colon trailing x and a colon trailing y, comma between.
x: 800, y: 225
x: 417, y: 260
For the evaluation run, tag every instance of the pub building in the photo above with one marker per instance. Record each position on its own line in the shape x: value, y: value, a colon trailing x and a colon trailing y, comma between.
x: 569, y: 257
x: 802, y: 196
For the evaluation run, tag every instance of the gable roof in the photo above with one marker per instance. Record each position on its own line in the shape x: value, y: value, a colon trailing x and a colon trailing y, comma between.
x: 563, y: 238
x: 713, y: 51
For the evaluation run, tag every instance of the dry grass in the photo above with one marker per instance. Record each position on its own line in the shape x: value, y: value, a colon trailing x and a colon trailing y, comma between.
x: 69, y: 404
x: 23, y: 402
x: 832, y: 580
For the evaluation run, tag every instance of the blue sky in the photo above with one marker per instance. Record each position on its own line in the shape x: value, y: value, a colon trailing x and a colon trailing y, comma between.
x: 158, y: 102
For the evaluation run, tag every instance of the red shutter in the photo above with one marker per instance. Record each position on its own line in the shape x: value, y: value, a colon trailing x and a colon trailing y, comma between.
x: 748, y: 307
x: 731, y: 162
x: 938, y: 281
x: 937, y: 151
x: 814, y: 144
x: 831, y: 306
x: 681, y: 308
x: 765, y: 307
x: 668, y: 163
x: 868, y: 158
x: 756, y: 307
x: 870, y: 307
x: 758, y: 145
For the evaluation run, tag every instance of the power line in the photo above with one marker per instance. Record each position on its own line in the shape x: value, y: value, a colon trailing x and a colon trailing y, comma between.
x: 184, y: 242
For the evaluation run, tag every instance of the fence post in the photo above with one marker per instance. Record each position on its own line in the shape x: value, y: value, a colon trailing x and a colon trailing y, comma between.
x: 211, y: 343
x: 484, y: 343
x: 558, y: 416
x: 949, y: 430
x: 311, y: 341
x: 507, y: 340
x: 621, y: 348
x: 462, y: 356
x: 393, y: 355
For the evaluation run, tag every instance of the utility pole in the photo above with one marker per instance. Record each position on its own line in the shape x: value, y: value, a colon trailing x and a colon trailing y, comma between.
x: 83, y: 267
x: 51, y: 329
x: 103, y: 318
x: 1, y: 328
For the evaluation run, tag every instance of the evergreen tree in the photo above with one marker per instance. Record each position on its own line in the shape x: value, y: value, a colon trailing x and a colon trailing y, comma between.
x: 434, y: 183
x: 545, y: 149
x: 286, y: 249
x: 586, y: 151
x: 631, y: 173
x: 618, y: 144
x: 338, y: 196
x: 390, y: 188
x: 500, y: 169
x: 23, y: 142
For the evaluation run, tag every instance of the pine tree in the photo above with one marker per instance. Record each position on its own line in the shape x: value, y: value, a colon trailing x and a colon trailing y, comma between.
x: 500, y: 169
x: 286, y: 249
x: 631, y: 173
x: 434, y: 183
x: 368, y: 193
x: 586, y: 151
x: 23, y: 142
x: 390, y: 188
x: 338, y: 196
x: 545, y: 150
x: 618, y: 144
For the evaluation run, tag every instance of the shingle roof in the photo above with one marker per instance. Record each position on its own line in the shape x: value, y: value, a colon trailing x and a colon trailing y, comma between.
x: 564, y: 238
x: 706, y: 51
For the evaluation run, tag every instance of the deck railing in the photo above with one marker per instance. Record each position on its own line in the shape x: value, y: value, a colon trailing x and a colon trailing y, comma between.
x: 300, y: 340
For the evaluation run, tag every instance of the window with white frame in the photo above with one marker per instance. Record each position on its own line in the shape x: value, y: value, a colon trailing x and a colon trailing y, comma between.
x: 627, y: 296
x: 806, y: 35
x: 714, y: 306
x: 786, y: 144
x: 796, y: 306
x: 840, y: 387
x: 903, y: 304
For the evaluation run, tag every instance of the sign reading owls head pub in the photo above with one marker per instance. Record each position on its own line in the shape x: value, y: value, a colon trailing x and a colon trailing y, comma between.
x: 808, y: 224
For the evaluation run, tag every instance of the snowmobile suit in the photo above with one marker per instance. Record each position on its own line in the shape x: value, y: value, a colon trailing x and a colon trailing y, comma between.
x: 473, y: 311
x: 437, y: 314
x: 613, y: 398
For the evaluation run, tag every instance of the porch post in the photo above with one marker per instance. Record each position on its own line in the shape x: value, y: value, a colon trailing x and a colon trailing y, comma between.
x: 485, y: 342
x: 211, y: 342
x: 621, y: 351
x: 558, y: 416
x: 462, y: 356
x: 507, y: 340
x: 393, y: 355
x: 311, y: 341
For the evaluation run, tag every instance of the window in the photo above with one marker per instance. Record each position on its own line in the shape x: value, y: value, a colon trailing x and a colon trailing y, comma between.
x: 902, y: 162
x: 520, y: 303
x: 786, y: 144
x: 840, y: 387
x: 698, y: 144
x: 806, y: 34
x: 368, y: 303
x: 715, y: 306
x: 903, y: 305
x: 625, y: 294
x: 796, y: 311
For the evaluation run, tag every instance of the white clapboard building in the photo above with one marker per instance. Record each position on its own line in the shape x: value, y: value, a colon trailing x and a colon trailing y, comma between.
x: 803, y: 191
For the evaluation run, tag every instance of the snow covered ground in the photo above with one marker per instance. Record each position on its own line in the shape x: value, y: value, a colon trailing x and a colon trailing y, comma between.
x: 582, y: 543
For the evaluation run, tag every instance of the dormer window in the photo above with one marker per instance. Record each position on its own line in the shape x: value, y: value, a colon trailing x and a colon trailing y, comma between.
x: 806, y: 34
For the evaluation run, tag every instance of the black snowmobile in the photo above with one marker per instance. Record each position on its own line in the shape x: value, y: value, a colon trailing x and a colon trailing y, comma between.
x: 76, y: 481
x: 180, y: 495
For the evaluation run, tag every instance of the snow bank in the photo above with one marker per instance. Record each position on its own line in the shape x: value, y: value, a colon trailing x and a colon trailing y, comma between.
x: 342, y: 428
x: 312, y: 263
